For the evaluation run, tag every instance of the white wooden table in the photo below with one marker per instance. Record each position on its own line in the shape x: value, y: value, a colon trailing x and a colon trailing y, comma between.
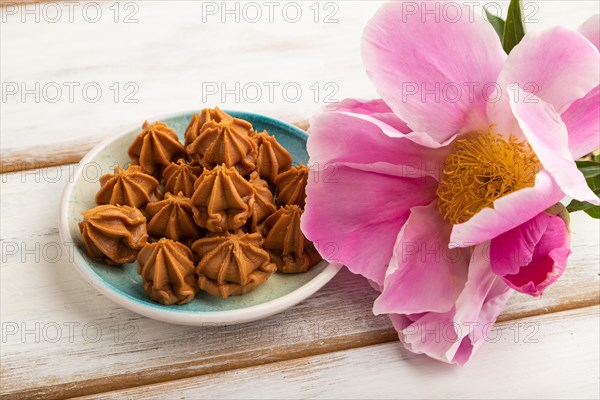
x: 61, y: 338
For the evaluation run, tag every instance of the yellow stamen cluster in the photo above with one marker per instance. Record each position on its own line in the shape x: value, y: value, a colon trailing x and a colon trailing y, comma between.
x: 483, y: 167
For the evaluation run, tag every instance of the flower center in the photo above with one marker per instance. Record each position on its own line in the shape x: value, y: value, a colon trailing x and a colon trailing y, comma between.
x: 483, y: 167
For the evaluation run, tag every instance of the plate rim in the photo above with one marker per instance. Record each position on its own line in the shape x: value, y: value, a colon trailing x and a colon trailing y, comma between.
x: 174, y: 316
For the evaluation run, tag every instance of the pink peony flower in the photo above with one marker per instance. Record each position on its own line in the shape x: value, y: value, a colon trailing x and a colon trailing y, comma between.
x: 434, y: 191
x: 533, y: 255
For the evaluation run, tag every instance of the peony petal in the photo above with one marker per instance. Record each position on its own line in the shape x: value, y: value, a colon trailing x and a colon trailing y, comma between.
x: 366, y: 143
x: 354, y: 217
x: 514, y: 249
x: 377, y: 109
x: 431, y: 334
x: 509, y: 211
x: 424, y: 275
x: 590, y: 29
x: 493, y: 304
x: 532, y: 256
x: 432, y: 71
x: 479, y: 305
x: 548, y: 137
x: 582, y: 119
x: 358, y: 106
x: 454, y: 336
x: 557, y: 65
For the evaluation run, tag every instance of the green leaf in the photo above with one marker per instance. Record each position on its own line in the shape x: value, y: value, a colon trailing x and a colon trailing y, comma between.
x: 593, y: 212
x: 497, y: 23
x: 576, y: 205
x: 589, y: 168
x: 514, y: 28
x: 591, y: 171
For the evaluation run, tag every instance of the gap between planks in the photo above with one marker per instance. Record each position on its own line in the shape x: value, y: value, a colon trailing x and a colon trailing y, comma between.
x: 250, y: 359
x: 7, y: 3
x: 61, y: 154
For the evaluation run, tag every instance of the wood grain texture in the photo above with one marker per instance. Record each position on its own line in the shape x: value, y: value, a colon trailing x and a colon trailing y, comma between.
x: 11, y: 3
x: 173, y: 56
x: 37, y: 157
x: 131, y: 350
x: 519, y: 361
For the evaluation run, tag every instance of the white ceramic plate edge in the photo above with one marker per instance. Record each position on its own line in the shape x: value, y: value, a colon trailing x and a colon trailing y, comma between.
x: 241, y: 315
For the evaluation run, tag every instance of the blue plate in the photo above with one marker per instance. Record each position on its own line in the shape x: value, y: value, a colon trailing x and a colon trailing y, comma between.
x: 124, y: 285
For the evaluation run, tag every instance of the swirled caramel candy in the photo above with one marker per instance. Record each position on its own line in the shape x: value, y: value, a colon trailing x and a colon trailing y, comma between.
x: 288, y: 247
x: 215, y: 115
x: 291, y: 186
x: 263, y: 201
x: 232, y: 264
x: 172, y: 218
x: 155, y: 147
x: 180, y: 177
x: 223, y: 200
x: 167, y: 270
x: 223, y: 140
x: 114, y: 234
x: 127, y: 187
x: 272, y: 158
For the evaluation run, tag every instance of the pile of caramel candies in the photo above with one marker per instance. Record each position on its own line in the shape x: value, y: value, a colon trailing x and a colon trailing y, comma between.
x: 220, y: 213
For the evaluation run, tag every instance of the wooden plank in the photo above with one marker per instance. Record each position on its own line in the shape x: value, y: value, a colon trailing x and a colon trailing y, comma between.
x: 552, y: 356
x: 37, y: 157
x: 46, y: 366
x: 280, y: 68
x: 189, y: 56
x: 10, y: 3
